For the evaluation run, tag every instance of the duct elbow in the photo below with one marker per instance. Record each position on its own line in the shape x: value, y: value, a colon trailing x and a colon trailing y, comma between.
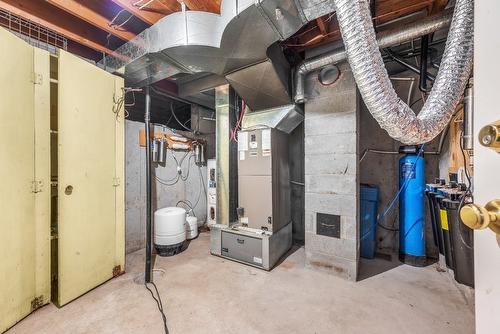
x: 300, y: 83
x: 372, y: 79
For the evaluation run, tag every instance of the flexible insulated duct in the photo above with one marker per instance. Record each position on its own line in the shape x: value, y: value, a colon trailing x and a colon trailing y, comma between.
x: 371, y: 76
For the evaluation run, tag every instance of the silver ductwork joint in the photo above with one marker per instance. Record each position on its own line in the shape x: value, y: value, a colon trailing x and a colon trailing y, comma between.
x: 384, y: 40
x: 371, y: 76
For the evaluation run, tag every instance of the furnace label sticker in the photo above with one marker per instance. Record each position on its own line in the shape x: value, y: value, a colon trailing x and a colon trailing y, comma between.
x: 243, y: 141
x: 266, y: 140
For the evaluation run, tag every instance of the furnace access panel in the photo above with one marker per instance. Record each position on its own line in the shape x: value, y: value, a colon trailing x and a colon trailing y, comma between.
x: 263, y: 179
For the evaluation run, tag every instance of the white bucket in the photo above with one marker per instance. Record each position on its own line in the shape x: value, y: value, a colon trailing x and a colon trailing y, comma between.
x: 191, y: 227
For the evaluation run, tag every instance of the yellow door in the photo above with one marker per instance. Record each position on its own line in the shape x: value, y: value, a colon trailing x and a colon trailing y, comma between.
x: 90, y: 177
x: 24, y: 179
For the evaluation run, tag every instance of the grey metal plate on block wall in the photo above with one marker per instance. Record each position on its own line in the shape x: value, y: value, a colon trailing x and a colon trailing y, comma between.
x: 328, y: 225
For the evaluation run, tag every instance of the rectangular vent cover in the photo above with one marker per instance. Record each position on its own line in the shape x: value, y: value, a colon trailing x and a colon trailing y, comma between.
x: 328, y: 225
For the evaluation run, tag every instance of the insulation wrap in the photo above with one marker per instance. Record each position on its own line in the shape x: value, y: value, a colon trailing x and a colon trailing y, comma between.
x: 371, y: 76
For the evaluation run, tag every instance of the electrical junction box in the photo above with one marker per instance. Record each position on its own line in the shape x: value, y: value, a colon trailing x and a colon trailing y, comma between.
x: 211, y: 192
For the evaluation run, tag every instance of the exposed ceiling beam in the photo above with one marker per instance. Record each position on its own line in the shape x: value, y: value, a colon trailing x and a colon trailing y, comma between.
x: 387, y: 10
x: 86, y: 13
x: 152, y: 10
x: 212, y: 6
x: 322, y: 26
x: 391, y: 10
x: 66, y: 25
x: 438, y: 6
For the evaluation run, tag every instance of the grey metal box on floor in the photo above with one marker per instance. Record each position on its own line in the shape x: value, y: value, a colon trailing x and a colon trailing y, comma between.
x: 257, y: 248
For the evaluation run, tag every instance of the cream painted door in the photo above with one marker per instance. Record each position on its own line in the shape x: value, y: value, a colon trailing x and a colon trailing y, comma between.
x: 24, y: 159
x: 486, y: 163
x: 90, y: 175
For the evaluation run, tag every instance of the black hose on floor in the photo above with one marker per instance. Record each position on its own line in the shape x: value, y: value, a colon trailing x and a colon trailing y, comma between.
x: 158, y: 303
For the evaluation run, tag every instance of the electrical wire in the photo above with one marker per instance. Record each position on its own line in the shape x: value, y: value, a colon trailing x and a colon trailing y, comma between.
x: 159, y: 304
x: 114, y: 25
x: 468, y: 191
x: 136, y: 4
x: 234, y: 131
x: 188, y: 170
x: 120, y: 102
x: 180, y: 176
x: 203, y: 181
x: 166, y: 183
x: 466, y: 171
x: 175, y: 117
x: 188, y: 204
x: 388, y: 228
x: 415, y: 102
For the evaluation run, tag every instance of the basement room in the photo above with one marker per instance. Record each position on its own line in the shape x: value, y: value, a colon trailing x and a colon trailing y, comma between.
x: 249, y: 166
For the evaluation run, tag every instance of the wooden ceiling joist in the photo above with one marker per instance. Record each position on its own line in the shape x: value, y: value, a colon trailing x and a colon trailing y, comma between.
x: 88, y: 14
x: 62, y: 23
x: 150, y: 13
x: 322, y: 31
x: 212, y: 6
x: 438, y: 6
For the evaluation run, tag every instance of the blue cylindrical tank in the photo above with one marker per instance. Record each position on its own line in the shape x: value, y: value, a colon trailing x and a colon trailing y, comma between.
x: 412, y: 210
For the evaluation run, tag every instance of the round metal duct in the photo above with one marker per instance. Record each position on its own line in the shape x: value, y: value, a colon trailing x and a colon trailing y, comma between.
x: 329, y: 75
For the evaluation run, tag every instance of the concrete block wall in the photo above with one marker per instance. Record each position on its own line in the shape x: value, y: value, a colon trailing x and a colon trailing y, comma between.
x: 331, y: 173
x: 163, y: 196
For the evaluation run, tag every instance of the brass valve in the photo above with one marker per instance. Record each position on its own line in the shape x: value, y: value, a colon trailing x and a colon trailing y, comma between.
x: 489, y: 136
x: 478, y: 217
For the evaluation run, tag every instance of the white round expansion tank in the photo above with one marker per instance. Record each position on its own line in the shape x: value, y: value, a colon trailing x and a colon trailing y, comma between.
x: 170, y: 230
x: 191, y: 227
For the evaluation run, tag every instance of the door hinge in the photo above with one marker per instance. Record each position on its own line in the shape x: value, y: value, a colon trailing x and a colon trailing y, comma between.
x: 37, y: 78
x: 36, y: 186
x: 116, y: 181
x: 117, y: 271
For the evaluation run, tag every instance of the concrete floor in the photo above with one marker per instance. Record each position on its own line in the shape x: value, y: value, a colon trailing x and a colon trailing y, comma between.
x: 207, y: 294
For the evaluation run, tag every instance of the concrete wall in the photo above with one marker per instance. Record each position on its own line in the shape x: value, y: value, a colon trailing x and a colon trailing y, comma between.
x: 163, y: 196
x: 331, y: 173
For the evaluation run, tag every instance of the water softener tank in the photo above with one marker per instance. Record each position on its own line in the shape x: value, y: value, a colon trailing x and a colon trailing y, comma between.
x: 170, y: 230
x: 412, y: 207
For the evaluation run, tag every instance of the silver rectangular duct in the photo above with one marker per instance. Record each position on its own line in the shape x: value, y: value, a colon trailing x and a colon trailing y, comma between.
x: 234, y: 44
x: 284, y: 118
x: 266, y: 84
